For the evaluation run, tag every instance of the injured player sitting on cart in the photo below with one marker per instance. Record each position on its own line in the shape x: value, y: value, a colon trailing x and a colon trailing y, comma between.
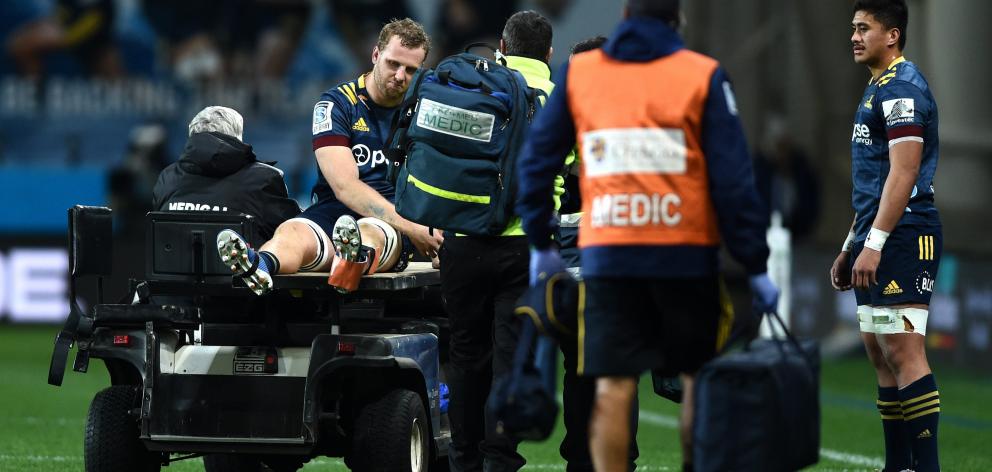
x: 350, y: 125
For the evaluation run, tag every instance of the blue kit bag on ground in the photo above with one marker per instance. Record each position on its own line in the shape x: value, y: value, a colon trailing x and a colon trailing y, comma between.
x: 758, y: 408
x: 522, y: 402
x: 454, y: 144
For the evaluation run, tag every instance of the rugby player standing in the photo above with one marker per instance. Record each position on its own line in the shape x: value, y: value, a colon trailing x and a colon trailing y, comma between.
x: 896, y: 238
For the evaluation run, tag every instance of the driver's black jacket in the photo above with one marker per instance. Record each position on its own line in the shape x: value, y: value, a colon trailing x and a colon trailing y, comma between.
x: 217, y: 172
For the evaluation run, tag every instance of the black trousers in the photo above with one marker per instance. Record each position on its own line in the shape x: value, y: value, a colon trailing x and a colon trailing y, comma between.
x: 481, y: 280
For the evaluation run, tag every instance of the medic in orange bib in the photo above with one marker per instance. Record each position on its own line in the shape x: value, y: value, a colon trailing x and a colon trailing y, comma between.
x: 665, y: 177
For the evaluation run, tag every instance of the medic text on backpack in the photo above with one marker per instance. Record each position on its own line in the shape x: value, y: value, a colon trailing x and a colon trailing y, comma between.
x: 454, y: 145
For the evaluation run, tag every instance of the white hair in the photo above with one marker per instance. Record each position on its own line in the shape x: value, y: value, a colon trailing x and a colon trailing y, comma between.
x: 223, y: 120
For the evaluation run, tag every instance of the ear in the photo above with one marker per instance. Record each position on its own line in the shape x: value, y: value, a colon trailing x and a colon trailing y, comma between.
x: 551, y: 52
x: 894, y: 35
x: 502, y: 46
x: 375, y: 54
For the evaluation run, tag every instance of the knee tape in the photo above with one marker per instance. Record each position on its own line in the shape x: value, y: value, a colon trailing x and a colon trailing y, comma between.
x: 391, y: 247
x: 324, y: 248
x: 864, y: 319
x: 900, y: 320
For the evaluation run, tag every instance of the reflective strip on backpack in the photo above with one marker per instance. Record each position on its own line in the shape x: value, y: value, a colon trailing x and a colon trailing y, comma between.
x: 438, y: 192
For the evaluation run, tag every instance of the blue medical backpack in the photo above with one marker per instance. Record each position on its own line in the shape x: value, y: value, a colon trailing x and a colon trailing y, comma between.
x: 455, y: 141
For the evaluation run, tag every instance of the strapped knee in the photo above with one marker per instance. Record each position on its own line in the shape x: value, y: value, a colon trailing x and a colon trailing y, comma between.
x: 392, y: 245
x: 889, y: 320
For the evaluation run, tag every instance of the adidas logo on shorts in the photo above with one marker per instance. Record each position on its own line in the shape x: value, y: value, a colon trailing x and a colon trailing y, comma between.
x: 892, y: 289
x: 925, y: 434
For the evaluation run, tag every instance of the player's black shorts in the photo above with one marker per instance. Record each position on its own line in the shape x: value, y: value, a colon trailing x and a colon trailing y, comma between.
x: 631, y: 325
x: 907, y: 269
x: 325, y: 214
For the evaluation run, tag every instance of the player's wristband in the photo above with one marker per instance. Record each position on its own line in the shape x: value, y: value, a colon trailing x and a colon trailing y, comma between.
x: 848, y: 243
x: 876, y: 239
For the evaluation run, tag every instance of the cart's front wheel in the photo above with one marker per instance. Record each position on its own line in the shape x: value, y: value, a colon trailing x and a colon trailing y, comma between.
x: 111, y: 441
x: 391, y: 434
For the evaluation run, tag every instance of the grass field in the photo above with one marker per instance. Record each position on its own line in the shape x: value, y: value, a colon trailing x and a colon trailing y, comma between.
x: 41, y: 427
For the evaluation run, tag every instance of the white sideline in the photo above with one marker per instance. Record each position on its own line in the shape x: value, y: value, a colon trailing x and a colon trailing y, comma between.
x: 529, y: 466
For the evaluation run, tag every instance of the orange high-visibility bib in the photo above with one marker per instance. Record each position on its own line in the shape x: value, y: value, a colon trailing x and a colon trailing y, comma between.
x: 638, y: 127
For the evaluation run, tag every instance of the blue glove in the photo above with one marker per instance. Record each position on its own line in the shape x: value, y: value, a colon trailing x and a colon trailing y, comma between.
x: 543, y: 263
x: 765, y: 294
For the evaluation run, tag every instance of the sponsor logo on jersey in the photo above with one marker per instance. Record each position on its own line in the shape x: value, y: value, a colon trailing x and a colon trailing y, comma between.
x: 360, y: 125
x: 364, y: 156
x: 897, y: 111
x: 636, y: 209
x: 322, y: 117
x: 634, y: 150
x: 186, y: 206
x: 892, y: 289
x: 924, y: 283
x: 454, y: 121
x: 861, y: 135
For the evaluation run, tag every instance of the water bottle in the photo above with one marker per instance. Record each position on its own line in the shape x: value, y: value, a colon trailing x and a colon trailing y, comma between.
x: 779, y: 270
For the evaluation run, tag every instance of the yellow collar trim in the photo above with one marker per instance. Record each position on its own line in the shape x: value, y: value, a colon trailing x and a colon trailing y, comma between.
x: 896, y: 61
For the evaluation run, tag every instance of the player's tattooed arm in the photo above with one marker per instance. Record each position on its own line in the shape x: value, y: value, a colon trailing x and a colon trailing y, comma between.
x: 375, y: 210
x: 337, y: 164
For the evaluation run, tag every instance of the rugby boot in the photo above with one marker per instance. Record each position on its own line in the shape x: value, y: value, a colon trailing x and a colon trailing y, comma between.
x: 244, y: 261
x: 350, y: 258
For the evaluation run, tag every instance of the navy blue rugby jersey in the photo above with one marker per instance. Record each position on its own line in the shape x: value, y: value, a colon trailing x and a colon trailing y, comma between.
x: 347, y: 116
x: 896, y: 107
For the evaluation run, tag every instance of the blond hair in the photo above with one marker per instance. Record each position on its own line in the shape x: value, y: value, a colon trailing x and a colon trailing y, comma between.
x: 411, y: 34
